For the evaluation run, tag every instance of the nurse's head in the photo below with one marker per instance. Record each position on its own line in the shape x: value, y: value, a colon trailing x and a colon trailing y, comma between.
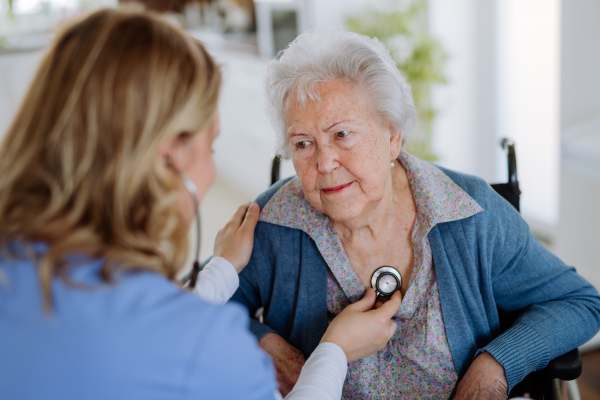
x: 121, y: 103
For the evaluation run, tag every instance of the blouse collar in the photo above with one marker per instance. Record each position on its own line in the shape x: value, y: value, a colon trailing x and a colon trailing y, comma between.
x: 438, y: 198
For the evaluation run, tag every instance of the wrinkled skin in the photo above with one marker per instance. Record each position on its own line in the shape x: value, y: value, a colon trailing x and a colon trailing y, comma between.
x: 485, y: 380
x: 287, y: 359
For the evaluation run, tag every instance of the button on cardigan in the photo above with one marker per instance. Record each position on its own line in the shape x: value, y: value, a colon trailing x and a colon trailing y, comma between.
x: 484, y: 263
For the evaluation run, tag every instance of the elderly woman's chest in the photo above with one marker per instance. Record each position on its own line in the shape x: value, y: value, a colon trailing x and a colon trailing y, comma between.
x: 417, y: 360
x: 415, y: 363
x: 396, y: 251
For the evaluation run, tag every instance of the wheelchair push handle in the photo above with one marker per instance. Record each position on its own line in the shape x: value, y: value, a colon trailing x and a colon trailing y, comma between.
x: 275, y: 168
x: 509, y: 145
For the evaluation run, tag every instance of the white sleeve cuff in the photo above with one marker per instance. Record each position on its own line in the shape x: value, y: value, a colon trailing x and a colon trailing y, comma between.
x: 217, y: 282
x: 323, y: 375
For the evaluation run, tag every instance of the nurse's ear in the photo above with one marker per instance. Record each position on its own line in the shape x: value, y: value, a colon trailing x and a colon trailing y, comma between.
x: 180, y: 149
x: 167, y: 153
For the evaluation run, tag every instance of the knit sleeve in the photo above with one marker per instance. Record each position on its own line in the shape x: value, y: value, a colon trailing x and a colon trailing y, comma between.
x: 557, y: 309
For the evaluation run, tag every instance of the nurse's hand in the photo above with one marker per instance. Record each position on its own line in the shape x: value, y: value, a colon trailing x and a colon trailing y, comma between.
x: 235, y: 241
x: 485, y: 379
x: 361, y: 331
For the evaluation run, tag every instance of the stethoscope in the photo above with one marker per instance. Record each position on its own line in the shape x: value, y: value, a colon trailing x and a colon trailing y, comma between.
x: 193, y: 191
x: 386, y: 281
x: 191, y: 188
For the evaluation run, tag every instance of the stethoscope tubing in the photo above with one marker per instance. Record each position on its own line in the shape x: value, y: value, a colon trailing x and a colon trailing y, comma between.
x: 193, y: 191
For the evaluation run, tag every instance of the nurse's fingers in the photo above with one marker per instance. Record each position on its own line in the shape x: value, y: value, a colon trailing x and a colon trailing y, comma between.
x: 250, y: 219
x: 235, y: 241
x: 392, y: 327
x: 238, y: 217
x: 391, y: 307
x: 366, y: 303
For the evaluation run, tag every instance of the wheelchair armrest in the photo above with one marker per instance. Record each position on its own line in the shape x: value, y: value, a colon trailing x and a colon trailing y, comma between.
x: 566, y: 367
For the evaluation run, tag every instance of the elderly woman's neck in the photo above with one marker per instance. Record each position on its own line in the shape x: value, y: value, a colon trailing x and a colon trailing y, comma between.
x: 395, y: 212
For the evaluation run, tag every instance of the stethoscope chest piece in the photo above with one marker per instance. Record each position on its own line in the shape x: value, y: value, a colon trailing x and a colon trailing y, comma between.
x: 386, y: 280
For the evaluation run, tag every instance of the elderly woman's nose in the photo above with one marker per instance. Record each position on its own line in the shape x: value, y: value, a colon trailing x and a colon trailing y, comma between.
x: 327, y: 159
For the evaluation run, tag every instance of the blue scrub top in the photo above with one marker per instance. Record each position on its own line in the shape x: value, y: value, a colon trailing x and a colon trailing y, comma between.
x: 141, y: 337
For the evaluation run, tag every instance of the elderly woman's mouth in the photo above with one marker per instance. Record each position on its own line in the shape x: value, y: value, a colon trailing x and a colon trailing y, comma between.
x: 336, y: 189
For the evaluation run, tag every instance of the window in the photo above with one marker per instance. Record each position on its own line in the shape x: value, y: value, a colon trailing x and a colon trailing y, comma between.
x: 528, y: 54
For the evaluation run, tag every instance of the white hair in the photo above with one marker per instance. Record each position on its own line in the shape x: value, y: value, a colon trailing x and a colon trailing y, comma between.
x: 325, y: 55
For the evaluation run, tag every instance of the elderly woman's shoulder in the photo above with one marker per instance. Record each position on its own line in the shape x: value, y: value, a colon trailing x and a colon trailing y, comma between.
x: 469, y: 183
x: 477, y: 188
x: 265, y: 196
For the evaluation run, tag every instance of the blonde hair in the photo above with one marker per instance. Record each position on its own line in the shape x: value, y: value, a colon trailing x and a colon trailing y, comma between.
x: 79, y: 166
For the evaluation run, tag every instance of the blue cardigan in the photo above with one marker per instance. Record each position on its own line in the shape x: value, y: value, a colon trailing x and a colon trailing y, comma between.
x: 483, y: 263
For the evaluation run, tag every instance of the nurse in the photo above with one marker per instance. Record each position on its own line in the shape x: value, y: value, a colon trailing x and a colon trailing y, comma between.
x: 95, y: 179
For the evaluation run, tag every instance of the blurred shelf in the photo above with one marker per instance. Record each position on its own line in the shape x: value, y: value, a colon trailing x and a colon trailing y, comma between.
x: 27, y: 42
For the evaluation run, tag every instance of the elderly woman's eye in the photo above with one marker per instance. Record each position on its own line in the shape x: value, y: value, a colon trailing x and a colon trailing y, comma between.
x: 342, y: 134
x: 301, y: 145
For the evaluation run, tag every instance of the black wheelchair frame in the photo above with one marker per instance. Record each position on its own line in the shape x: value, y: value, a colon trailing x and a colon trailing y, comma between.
x: 539, y: 385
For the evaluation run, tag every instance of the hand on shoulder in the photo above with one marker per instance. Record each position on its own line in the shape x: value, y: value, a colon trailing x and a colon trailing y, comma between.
x: 235, y: 241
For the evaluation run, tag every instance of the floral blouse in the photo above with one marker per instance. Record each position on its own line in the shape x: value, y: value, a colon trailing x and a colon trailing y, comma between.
x: 416, y: 363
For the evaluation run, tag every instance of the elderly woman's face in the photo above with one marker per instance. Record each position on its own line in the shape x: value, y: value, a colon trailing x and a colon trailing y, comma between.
x: 341, y: 150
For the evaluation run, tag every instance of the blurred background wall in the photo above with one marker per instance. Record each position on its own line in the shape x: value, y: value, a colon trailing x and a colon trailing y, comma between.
x: 483, y: 70
x: 577, y: 236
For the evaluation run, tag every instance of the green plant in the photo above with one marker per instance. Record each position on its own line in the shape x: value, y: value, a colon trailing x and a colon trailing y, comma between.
x: 402, y: 27
x: 10, y: 8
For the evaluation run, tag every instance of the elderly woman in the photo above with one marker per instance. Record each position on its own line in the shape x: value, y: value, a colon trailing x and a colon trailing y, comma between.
x: 360, y: 202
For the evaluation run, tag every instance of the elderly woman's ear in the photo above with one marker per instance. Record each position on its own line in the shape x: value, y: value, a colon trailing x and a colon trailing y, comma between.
x: 395, y: 142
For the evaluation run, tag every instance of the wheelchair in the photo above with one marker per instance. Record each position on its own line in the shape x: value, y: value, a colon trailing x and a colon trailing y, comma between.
x: 539, y: 385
